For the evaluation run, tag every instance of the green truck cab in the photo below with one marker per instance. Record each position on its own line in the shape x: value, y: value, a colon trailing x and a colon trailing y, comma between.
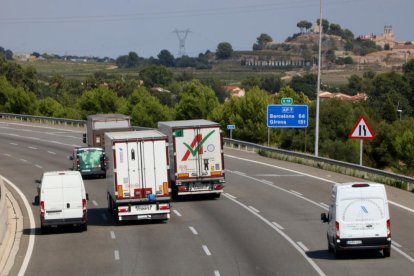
x: 89, y: 161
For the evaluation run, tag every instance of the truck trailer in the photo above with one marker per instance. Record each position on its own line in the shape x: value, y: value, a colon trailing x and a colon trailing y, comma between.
x: 138, y: 186
x: 97, y: 125
x: 196, y: 156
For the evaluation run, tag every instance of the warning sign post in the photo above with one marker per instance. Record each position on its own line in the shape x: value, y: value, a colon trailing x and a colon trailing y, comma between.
x: 361, y: 131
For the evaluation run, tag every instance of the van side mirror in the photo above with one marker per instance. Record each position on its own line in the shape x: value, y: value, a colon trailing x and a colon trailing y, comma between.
x: 70, y: 157
x: 84, y: 138
x: 37, y: 181
x: 324, y: 218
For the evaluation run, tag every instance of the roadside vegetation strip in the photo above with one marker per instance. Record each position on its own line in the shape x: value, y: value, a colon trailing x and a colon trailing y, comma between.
x: 278, y: 230
x: 32, y: 223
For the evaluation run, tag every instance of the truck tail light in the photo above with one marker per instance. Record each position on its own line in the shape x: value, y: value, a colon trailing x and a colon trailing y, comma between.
x: 182, y: 188
x: 165, y: 207
x: 388, y: 228
x: 337, y: 230
x: 78, y: 163
x: 123, y: 209
x: 218, y: 187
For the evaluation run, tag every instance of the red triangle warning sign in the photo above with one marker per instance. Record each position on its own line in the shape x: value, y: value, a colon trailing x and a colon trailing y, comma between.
x: 361, y: 130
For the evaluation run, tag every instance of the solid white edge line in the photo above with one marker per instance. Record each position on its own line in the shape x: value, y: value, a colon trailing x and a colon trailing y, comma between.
x: 303, y: 246
x: 266, y: 181
x: 216, y: 273
x: 23, y: 160
x: 95, y: 203
x: 177, y: 213
x: 396, y: 244
x: 192, y: 229
x: 13, y: 144
x: 112, y: 235
x: 285, y: 236
x: 293, y: 191
x: 324, y: 204
x: 40, y: 167
x: 33, y: 148
x: 401, y: 206
x: 51, y: 152
x: 30, y: 246
x: 278, y: 225
x: 232, y: 196
x: 205, y: 248
x: 254, y: 209
x: 313, y: 202
x: 6, y: 154
x: 116, y: 255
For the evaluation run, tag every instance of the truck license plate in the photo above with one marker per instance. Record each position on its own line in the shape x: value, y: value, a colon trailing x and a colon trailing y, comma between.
x: 200, y: 188
x: 356, y: 242
x: 142, y: 207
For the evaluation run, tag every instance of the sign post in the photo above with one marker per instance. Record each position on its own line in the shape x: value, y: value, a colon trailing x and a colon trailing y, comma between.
x: 363, y: 132
x: 231, y: 127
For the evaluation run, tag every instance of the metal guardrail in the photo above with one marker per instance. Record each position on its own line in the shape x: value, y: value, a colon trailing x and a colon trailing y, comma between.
x: 407, y: 181
x: 43, y: 119
x: 368, y: 172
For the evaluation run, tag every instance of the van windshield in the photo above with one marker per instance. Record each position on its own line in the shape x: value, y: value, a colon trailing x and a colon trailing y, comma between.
x: 361, y: 209
x: 90, y: 158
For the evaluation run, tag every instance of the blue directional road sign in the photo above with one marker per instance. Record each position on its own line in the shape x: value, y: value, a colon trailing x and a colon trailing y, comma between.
x: 231, y: 126
x: 287, y: 116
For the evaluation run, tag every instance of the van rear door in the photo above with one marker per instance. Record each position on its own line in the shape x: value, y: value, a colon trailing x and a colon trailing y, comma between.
x: 363, y: 217
x: 52, y: 197
x: 72, y: 196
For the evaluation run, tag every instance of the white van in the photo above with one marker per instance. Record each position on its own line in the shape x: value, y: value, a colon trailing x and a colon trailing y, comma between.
x: 62, y: 199
x: 358, y: 218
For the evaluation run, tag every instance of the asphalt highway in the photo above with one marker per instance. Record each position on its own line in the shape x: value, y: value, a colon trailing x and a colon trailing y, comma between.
x: 266, y: 223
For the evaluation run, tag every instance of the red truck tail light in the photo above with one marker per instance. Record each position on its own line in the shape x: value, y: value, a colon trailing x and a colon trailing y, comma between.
x: 218, y: 187
x: 389, y: 228
x: 337, y: 230
x: 123, y: 209
x: 165, y: 207
x: 182, y: 188
x: 78, y: 163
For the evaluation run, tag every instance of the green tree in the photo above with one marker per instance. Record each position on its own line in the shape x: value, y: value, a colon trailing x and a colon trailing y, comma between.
x: 98, y: 100
x: 305, y: 84
x: 224, y: 50
x: 156, y: 75
x: 196, y: 101
x: 263, y: 39
x: 271, y: 83
x: 48, y: 107
x: 404, y: 146
x: 147, y: 110
x: 166, y: 58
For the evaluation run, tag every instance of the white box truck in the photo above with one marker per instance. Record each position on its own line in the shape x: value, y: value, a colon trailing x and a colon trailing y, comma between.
x: 196, y: 156
x: 358, y: 218
x: 137, y: 175
x: 97, y: 125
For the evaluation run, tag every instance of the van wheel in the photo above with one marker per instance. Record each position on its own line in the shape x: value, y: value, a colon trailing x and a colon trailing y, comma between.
x: 337, y: 252
x: 330, y: 248
x: 44, y: 229
x: 386, y: 252
x: 84, y: 227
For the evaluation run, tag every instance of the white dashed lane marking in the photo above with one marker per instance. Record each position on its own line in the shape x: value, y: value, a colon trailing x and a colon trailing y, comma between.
x: 193, y: 230
x: 51, y: 152
x: 33, y: 148
x: 205, y: 248
x: 116, y: 254
x: 40, y: 167
x: 95, y: 203
x: 113, y: 235
x: 177, y: 213
x: 303, y: 246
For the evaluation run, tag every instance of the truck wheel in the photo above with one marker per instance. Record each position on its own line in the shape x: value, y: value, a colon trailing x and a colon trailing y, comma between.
x: 330, y: 249
x: 84, y: 227
x: 386, y: 252
x: 217, y: 195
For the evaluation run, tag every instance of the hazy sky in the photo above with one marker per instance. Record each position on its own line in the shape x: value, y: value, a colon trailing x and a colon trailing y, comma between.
x: 115, y: 27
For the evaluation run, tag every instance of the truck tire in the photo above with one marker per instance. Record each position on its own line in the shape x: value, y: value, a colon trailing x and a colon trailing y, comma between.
x: 44, y: 229
x: 84, y: 227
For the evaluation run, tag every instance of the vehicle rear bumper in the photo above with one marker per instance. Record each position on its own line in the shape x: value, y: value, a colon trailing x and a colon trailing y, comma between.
x: 157, y: 216
x: 70, y: 221
x: 201, y: 192
x: 364, y: 243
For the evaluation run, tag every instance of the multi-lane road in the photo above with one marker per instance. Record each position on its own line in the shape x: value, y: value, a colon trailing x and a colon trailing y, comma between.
x: 266, y: 223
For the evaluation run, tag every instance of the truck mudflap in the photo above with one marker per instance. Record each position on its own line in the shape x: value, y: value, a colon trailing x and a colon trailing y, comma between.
x: 151, y: 211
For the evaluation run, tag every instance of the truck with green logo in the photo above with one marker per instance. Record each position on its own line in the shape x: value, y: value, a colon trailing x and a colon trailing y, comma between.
x: 196, y: 157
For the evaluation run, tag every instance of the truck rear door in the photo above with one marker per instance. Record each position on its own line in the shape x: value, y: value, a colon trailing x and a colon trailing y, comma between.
x: 141, y: 168
x: 198, y: 152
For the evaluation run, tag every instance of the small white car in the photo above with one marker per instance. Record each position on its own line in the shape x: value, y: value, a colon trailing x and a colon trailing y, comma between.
x: 358, y: 218
x: 62, y: 199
